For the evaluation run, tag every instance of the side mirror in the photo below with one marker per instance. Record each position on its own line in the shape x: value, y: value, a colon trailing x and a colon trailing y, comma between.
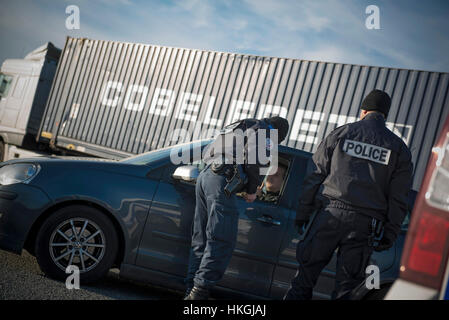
x: 186, y: 173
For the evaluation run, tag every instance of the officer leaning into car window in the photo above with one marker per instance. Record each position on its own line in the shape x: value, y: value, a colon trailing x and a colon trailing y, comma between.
x: 216, y: 216
x: 361, y: 179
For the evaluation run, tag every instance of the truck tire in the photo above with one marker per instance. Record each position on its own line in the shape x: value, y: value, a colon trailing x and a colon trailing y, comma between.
x: 2, y: 151
x: 80, y: 236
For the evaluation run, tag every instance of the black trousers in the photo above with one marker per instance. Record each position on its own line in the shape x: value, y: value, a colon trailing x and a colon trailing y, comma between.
x: 214, y: 234
x: 333, y: 228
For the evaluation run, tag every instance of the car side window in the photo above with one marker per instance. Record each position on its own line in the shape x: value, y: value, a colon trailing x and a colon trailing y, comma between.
x: 273, y: 184
x: 411, y: 202
x: 406, y: 222
x: 270, y: 190
x: 301, y: 167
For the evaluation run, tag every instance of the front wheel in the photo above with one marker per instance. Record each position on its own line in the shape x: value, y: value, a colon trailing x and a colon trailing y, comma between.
x: 78, y: 236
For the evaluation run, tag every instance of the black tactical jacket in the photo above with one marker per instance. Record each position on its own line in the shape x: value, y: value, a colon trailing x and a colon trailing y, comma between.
x: 252, y: 164
x: 361, y: 166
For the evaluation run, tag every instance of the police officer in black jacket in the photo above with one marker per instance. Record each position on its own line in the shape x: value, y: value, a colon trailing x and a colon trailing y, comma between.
x: 362, y: 176
x: 236, y: 149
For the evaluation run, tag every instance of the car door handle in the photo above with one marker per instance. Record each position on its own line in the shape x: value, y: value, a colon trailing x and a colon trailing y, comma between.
x: 269, y: 219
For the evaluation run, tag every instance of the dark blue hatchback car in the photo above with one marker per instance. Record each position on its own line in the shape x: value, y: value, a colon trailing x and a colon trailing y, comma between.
x: 136, y: 214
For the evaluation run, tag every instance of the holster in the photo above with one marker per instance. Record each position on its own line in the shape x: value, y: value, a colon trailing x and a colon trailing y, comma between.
x: 224, y: 169
x: 237, y: 182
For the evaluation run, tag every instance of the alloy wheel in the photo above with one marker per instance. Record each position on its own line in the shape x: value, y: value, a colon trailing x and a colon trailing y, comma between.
x: 79, y: 242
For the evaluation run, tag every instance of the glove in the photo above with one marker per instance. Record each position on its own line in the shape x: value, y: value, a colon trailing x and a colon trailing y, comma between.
x: 300, y: 224
x: 385, y: 243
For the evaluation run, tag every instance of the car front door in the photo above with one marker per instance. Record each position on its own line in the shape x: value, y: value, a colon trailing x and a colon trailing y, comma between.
x: 261, y: 228
x: 166, y: 238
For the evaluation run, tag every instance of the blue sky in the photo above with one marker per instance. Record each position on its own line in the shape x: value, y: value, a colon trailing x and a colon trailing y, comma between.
x: 414, y: 34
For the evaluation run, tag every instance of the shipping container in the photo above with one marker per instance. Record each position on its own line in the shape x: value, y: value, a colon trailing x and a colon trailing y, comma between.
x: 114, y: 99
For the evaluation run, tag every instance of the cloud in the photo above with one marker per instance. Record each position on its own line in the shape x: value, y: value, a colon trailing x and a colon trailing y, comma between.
x: 292, y: 15
x: 335, y: 31
x: 199, y: 12
x: 412, y: 35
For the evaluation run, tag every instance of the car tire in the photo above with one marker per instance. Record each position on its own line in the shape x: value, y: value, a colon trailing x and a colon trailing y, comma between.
x: 76, y: 235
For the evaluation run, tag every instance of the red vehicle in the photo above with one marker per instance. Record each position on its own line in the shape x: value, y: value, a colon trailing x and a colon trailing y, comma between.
x: 424, y: 270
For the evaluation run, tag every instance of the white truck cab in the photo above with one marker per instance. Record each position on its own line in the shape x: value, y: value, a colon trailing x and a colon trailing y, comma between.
x: 24, y: 88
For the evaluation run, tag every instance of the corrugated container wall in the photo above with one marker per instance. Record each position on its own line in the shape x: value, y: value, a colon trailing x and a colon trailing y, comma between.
x: 114, y: 99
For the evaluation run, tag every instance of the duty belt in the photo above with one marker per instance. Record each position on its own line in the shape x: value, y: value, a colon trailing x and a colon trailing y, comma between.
x: 376, y: 227
x: 334, y: 203
x: 226, y: 170
x: 338, y: 204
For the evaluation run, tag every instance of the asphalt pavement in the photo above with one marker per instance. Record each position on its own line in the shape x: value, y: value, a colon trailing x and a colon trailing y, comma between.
x: 21, y: 279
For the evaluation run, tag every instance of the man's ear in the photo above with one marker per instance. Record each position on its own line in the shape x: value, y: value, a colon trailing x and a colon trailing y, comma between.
x: 362, y: 114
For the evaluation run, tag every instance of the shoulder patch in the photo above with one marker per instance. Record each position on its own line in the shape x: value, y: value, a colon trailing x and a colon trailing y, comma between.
x: 367, y: 151
x: 269, y: 144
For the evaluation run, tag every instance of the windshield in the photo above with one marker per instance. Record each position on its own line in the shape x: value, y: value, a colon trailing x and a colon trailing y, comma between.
x: 5, y: 83
x: 155, y: 155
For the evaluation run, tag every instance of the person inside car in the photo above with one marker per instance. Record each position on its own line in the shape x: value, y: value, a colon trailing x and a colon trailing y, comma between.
x: 270, y: 189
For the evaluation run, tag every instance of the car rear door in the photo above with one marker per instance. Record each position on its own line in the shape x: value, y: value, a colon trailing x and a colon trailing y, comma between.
x: 287, y: 263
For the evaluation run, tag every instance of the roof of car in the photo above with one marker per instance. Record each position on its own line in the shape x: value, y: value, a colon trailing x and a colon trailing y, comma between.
x: 281, y: 148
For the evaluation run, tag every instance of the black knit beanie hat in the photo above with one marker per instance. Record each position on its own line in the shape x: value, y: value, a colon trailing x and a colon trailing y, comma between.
x: 281, y: 125
x: 377, y: 100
